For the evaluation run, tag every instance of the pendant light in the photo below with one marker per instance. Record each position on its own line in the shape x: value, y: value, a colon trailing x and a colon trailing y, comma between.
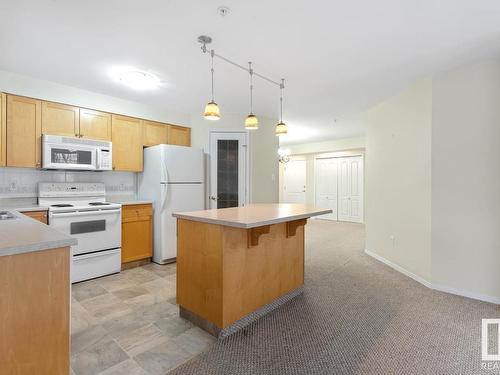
x: 212, y: 109
x: 251, y: 122
x: 281, y: 128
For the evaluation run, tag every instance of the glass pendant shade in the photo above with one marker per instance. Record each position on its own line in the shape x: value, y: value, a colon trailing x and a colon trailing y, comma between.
x: 251, y: 122
x: 212, y: 111
x: 281, y: 128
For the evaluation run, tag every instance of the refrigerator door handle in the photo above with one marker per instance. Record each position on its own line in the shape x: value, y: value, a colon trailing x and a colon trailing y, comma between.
x: 163, y: 195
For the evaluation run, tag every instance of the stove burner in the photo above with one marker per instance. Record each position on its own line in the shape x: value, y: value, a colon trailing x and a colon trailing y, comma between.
x: 99, y: 204
x: 61, y: 205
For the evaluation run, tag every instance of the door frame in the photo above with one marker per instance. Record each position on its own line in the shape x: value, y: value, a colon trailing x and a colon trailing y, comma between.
x: 247, y: 147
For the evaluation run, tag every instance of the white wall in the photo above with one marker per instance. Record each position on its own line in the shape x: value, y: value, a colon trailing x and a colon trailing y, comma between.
x: 398, y: 179
x: 263, y: 151
x: 26, y: 86
x: 466, y: 179
x: 327, y: 146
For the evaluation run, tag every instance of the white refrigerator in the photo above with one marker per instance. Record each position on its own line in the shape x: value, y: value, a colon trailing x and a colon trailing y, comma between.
x: 173, y: 180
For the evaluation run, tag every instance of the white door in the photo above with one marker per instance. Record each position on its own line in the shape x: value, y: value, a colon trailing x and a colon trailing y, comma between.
x: 350, y: 189
x: 228, y: 175
x: 326, y: 186
x: 294, y: 188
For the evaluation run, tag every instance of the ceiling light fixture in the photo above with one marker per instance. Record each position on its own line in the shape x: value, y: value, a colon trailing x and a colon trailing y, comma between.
x: 137, y: 79
x: 251, y: 122
x: 281, y: 128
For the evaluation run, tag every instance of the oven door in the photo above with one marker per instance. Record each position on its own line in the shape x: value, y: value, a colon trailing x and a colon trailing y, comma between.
x: 69, y: 156
x: 94, y: 230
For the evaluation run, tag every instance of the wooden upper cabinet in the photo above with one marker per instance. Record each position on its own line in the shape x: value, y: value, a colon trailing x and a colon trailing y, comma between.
x: 95, y: 124
x: 154, y: 133
x: 60, y: 119
x: 126, y: 135
x: 179, y: 135
x: 24, y: 130
x: 3, y: 130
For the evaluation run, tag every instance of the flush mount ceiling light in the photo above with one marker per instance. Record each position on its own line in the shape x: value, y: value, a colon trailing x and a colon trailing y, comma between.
x: 136, y: 79
x: 251, y: 121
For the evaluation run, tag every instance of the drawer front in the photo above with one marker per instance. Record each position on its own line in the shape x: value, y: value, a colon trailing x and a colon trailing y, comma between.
x: 136, y: 211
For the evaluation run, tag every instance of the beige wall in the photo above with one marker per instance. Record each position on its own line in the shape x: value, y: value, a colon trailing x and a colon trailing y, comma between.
x: 263, y: 151
x: 398, y: 179
x: 466, y: 180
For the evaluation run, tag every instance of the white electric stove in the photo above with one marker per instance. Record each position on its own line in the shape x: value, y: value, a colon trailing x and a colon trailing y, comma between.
x: 81, y: 211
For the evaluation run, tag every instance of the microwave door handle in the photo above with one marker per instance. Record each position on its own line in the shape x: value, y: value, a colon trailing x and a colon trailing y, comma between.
x: 97, y: 159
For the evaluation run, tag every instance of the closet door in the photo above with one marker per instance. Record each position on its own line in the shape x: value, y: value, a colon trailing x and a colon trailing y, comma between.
x: 326, y: 186
x: 350, y: 197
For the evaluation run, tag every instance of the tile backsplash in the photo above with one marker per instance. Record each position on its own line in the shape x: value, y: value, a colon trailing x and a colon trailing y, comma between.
x: 23, y: 182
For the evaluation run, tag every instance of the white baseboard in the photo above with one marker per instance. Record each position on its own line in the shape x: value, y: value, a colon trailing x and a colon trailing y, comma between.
x: 398, y: 268
x: 428, y: 284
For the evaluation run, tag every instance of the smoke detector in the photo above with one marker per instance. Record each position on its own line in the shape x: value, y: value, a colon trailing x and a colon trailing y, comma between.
x: 223, y: 11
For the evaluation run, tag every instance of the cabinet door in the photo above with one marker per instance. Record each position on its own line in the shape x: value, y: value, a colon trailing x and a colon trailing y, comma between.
x: 154, y: 133
x: 95, y: 124
x: 24, y: 130
x: 60, y: 119
x: 3, y: 129
x: 179, y: 135
x: 126, y: 135
x: 137, y: 233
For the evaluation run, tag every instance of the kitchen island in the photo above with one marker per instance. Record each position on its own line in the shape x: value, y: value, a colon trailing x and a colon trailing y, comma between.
x: 236, y: 264
x: 34, y: 297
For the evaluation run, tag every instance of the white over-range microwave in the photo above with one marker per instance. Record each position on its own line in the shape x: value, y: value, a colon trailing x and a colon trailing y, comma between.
x: 76, y: 153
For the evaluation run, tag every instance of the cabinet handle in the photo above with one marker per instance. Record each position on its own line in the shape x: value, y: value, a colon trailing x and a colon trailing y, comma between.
x: 76, y: 135
x: 81, y: 135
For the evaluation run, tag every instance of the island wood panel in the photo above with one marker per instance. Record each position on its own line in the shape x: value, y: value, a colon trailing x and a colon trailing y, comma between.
x: 3, y: 129
x: 95, y: 124
x: 24, y: 131
x: 256, y: 276
x: 126, y: 135
x: 35, y: 313
x: 221, y: 279
x: 154, y: 133
x: 60, y: 119
x: 199, y: 269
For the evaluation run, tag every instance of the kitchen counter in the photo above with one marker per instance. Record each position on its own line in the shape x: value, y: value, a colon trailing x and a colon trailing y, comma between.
x: 235, y: 265
x: 23, y: 235
x: 253, y: 215
x: 21, y: 205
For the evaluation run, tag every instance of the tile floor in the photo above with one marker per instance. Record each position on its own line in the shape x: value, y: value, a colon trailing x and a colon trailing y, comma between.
x: 128, y: 323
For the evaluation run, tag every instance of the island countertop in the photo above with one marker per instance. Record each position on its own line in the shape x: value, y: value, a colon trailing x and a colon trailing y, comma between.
x: 24, y: 234
x: 253, y: 215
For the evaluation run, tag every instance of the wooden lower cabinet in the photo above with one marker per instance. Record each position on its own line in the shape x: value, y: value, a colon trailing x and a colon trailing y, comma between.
x: 35, y: 313
x: 137, y: 232
x: 37, y: 215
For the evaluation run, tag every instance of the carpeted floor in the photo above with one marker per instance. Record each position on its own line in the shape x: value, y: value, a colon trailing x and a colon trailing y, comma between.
x: 356, y: 316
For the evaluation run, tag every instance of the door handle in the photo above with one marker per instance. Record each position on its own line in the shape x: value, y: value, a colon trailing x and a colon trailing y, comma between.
x: 214, y: 198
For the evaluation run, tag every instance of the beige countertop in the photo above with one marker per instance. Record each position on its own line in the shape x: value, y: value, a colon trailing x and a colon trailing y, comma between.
x: 254, y: 215
x: 24, y: 235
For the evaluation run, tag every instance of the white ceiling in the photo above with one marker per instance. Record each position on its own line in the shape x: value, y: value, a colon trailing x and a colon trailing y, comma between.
x: 339, y: 57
